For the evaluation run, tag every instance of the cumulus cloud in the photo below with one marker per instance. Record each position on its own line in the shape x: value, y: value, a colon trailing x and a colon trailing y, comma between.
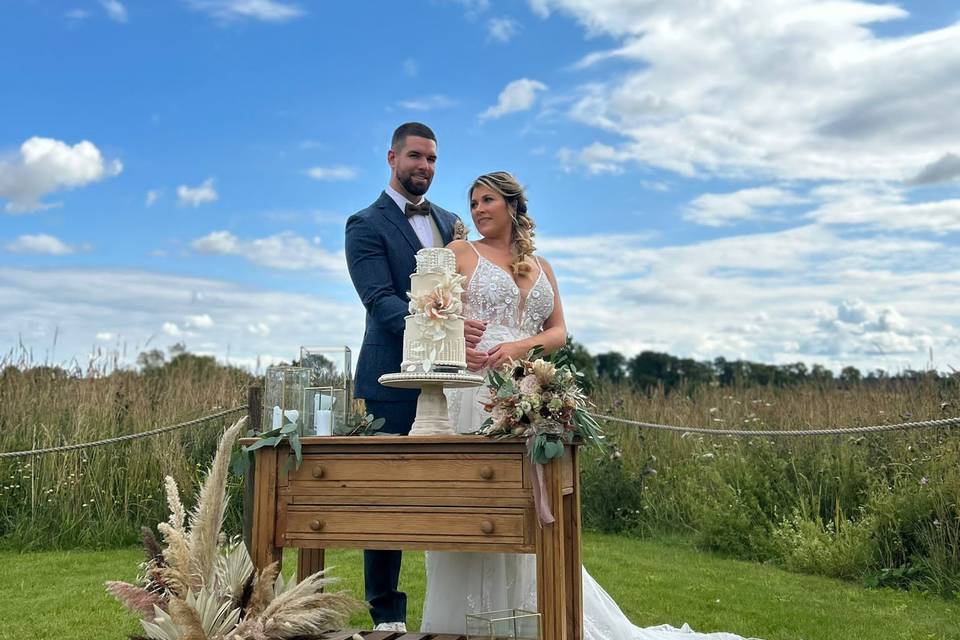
x: 40, y: 243
x: 152, y: 196
x: 115, y: 10
x: 338, y: 173
x: 201, y: 321
x: 171, y: 329
x: 140, y: 306
x: 502, y: 29
x: 786, y: 90
x: 232, y: 10
x: 519, y: 95
x: 195, y: 196
x: 764, y: 296
x: 285, y: 251
x: 46, y: 165
x: 723, y: 209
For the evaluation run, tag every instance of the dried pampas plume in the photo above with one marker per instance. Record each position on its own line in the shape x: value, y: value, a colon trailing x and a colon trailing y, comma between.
x: 200, y: 587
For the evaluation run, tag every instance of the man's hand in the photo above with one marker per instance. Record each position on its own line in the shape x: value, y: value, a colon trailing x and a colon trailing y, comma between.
x: 473, y: 332
x: 476, y: 360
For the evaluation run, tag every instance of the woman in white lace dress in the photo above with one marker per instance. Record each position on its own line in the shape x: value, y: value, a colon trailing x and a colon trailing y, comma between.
x: 515, y: 293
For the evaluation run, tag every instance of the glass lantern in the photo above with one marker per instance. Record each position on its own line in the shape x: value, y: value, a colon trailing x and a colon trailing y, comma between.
x: 329, y: 394
x: 510, y: 624
x: 283, y: 397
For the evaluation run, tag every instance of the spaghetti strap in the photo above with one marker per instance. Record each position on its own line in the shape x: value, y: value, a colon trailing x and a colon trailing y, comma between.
x: 474, y: 248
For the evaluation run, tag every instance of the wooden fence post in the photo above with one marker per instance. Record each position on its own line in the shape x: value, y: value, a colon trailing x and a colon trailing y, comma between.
x: 254, y: 414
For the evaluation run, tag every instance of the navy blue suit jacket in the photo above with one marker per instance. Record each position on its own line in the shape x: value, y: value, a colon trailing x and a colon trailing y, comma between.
x: 381, y: 247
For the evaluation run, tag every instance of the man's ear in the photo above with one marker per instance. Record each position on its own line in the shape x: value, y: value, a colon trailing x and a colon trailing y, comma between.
x: 391, y: 157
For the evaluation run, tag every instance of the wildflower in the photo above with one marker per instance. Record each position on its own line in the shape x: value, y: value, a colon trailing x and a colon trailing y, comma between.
x: 924, y: 481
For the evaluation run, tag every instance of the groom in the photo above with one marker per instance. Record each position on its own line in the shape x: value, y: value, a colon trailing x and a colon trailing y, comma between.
x: 381, y: 242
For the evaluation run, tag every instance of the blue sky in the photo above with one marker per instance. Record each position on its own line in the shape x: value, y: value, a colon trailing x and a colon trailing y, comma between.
x: 777, y: 182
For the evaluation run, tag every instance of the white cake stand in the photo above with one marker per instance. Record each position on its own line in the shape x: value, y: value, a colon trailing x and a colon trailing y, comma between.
x: 432, y: 417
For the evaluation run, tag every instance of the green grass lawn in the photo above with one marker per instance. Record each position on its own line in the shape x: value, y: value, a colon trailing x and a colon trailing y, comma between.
x: 60, y: 595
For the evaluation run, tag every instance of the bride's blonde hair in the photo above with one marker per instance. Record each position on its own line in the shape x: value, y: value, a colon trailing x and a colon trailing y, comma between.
x: 508, y: 187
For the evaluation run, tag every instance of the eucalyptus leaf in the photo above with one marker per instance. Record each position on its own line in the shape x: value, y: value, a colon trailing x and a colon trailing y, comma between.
x: 264, y: 442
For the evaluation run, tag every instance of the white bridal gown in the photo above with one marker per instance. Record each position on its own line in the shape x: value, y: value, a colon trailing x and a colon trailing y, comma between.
x: 461, y: 583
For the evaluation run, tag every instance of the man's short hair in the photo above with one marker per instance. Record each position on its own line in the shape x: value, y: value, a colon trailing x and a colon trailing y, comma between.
x: 410, y: 129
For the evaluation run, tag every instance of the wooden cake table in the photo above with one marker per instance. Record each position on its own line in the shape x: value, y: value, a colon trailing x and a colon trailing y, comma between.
x: 451, y: 493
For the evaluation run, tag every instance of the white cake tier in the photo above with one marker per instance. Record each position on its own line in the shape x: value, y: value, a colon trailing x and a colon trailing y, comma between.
x: 450, y: 351
x: 436, y: 260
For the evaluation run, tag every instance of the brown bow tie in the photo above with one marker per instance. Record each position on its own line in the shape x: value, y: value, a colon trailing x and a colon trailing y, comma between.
x: 422, y: 209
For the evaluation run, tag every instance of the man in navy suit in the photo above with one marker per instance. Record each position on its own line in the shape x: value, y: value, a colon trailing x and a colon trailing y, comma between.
x: 381, y: 244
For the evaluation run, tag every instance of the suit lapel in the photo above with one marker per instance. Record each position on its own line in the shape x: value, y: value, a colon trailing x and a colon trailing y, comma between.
x: 393, y: 214
x: 446, y: 229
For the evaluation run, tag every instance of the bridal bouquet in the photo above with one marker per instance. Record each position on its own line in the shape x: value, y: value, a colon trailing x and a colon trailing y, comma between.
x: 540, y: 399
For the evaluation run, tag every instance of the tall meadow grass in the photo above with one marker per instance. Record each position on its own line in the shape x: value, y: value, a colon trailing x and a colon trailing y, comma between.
x: 882, y: 508
x: 100, y: 497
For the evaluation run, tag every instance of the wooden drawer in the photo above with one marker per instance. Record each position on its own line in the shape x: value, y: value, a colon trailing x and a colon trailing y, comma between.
x: 500, y: 470
x: 440, y: 524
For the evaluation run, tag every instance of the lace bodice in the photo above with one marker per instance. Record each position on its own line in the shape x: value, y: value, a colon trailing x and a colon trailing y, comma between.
x: 492, y: 295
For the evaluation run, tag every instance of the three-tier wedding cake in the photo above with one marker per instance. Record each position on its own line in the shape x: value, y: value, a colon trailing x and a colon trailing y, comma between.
x: 433, y: 338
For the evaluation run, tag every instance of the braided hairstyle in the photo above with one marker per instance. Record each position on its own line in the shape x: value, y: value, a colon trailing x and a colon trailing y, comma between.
x: 508, y: 187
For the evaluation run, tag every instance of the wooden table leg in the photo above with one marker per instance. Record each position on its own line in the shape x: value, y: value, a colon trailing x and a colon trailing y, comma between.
x: 574, y: 562
x: 265, y: 549
x: 309, y: 561
x: 551, y: 581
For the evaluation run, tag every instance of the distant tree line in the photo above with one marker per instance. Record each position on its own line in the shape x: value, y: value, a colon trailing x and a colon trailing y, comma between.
x: 651, y: 369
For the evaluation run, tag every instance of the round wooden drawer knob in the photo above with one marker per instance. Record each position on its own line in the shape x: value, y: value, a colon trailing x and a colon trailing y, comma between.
x: 486, y: 473
x: 318, y: 471
x: 316, y: 525
x: 487, y: 527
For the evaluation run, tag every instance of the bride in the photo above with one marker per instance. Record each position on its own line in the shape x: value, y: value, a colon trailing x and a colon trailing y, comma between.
x: 515, y: 294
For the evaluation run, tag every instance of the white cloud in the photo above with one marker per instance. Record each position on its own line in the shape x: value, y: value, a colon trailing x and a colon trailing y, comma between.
x: 428, y: 103
x: 136, y: 305
x: 171, y: 329
x: 259, y: 329
x: 764, y: 296
x: 788, y: 89
x: 202, y: 321
x: 518, y: 95
x: 105, y: 336
x: 332, y: 174
x: 263, y: 10
x: 46, y: 165
x: 195, y: 196
x: 886, y: 209
x: 217, y: 242
x: 115, y: 10
x: 152, y: 196
x: 723, y: 209
x: 540, y: 8
x: 502, y: 29
x: 40, y: 243
x: 285, y: 251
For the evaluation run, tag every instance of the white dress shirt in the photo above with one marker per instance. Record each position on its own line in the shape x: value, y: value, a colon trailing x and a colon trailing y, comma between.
x: 421, y: 224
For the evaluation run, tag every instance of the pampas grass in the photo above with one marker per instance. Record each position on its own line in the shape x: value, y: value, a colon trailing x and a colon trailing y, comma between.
x: 199, y: 588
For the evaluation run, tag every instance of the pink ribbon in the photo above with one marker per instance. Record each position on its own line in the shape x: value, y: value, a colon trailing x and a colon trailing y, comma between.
x: 540, y: 502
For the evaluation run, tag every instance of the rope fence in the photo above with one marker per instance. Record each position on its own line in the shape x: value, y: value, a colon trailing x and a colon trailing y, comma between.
x: 132, y: 436
x: 901, y: 426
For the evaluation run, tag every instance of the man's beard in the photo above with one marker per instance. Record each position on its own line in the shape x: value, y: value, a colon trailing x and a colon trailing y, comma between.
x: 411, y: 187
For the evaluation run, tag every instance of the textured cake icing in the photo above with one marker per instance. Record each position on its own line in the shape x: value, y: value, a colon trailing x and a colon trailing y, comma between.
x: 433, y: 337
